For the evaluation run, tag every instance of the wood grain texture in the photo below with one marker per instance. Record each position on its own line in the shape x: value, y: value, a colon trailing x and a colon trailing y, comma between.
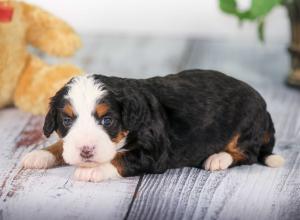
x: 53, y: 194
x: 129, y: 56
x: 246, y: 192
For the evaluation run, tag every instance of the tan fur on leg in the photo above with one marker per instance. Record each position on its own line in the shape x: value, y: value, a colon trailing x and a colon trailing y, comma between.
x: 45, y: 158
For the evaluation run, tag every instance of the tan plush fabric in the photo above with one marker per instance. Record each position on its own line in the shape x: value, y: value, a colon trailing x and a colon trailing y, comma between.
x: 25, y: 80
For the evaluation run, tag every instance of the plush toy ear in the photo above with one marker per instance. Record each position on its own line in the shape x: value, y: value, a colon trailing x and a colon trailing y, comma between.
x: 50, y: 121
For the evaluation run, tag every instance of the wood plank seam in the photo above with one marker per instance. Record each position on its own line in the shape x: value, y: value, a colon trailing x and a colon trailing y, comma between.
x: 135, y: 195
x: 187, y: 53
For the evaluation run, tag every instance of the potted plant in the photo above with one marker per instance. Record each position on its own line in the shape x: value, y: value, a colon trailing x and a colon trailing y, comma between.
x: 257, y: 12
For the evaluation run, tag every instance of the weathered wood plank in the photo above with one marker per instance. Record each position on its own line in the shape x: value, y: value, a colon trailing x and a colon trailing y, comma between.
x: 12, y: 123
x: 246, y: 192
x: 136, y: 57
x: 258, y: 64
x: 32, y: 194
x: 54, y: 189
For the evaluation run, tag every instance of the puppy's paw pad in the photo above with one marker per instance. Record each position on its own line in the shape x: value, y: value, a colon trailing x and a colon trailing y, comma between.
x: 38, y: 159
x: 220, y: 161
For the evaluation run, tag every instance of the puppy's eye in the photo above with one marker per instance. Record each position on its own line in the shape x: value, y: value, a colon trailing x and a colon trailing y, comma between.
x: 67, y: 121
x: 106, y: 121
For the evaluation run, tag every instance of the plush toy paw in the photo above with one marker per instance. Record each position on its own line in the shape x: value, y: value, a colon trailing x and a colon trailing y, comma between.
x: 220, y: 161
x: 96, y: 174
x: 38, y: 159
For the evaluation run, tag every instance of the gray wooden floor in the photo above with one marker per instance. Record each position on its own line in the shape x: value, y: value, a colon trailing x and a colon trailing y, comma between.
x: 247, y: 192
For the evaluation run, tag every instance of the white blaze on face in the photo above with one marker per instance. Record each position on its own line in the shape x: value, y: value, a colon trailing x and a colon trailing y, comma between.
x: 85, y: 131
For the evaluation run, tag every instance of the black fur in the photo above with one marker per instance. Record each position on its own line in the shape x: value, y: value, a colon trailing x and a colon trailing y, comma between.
x: 53, y: 120
x: 181, y: 119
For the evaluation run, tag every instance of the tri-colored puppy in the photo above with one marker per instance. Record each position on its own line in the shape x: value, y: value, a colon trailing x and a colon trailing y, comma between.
x: 115, y: 127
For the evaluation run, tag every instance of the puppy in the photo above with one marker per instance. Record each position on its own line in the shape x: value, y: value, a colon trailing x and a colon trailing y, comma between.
x: 113, y: 127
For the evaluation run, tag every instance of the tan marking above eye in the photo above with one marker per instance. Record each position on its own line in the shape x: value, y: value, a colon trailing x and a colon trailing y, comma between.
x: 68, y: 110
x: 101, y: 109
x: 233, y: 149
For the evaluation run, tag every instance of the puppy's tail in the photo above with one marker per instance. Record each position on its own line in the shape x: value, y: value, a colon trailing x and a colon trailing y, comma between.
x: 265, y: 155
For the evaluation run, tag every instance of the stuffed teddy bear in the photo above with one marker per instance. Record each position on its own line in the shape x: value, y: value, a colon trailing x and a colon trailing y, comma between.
x: 25, y: 80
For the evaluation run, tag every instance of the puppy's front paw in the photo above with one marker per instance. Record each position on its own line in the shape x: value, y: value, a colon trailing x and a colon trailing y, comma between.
x: 96, y: 174
x: 38, y: 159
x: 220, y: 161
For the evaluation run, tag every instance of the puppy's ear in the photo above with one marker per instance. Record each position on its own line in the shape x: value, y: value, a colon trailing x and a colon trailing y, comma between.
x: 50, y: 121
x: 135, y: 109
x: 56, y: 102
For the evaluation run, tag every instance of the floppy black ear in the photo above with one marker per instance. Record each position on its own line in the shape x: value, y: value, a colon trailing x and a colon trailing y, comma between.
x: 135, y: 109
x: 56, y: 102
x: 50, y: 122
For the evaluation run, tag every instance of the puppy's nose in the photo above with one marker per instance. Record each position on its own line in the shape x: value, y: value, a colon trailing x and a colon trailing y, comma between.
x: 87, y: 152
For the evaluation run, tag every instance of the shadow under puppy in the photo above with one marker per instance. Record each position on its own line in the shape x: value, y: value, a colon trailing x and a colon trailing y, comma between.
x: 116, y: 127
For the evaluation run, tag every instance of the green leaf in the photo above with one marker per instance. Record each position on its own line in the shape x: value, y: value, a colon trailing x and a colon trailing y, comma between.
x: 228, y: 6
x: 257, y: 11
x: 247, y: 15
x: 263, y: 7
x: 258, y: 8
